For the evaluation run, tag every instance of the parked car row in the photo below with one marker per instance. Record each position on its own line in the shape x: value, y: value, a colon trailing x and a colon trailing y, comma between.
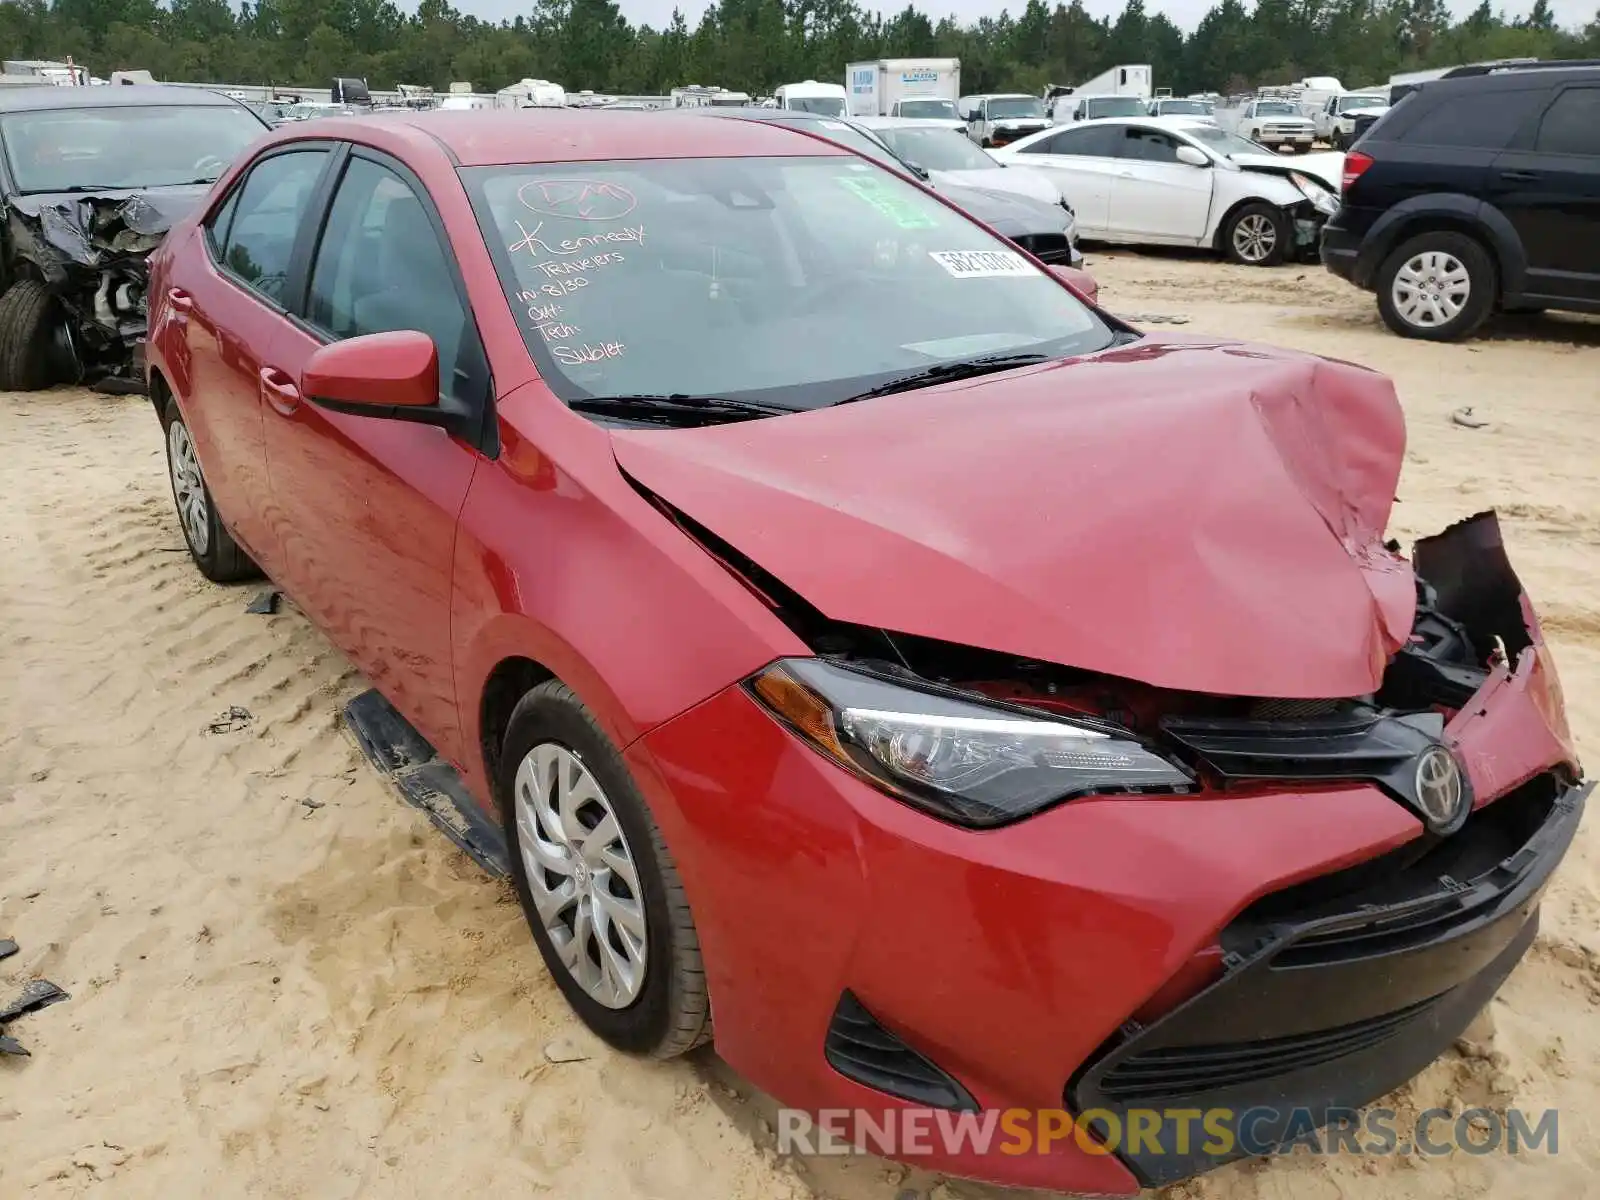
x: 678, y: 483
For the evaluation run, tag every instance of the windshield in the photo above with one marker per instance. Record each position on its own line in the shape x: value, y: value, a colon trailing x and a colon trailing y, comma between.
x: 1221, y: 142
x: 56, y: 150
x: 1184, y: 108
x: 827, y: 106
x: 736, y: 101
x: 794, y: 282
x: 932, y: 110
x: 1347, y: 103
x: 1015, y: 106
x: 937, y: 149
x: 1276, y: 108
x: 1114, y: 106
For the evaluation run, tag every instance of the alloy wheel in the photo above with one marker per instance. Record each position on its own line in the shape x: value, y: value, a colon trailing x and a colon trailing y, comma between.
x: 1431, y: 288
x: 1255, y: 237
x: 581, y: 874
x: 188, y: 487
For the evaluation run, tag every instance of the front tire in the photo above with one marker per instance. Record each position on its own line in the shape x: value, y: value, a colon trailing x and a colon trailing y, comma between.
x: 1336, y: 139
x: 1439, y: 286
x: 219, y: 557
x: 598, y: 886
x: 1258, y: 235
x: 28, y: 313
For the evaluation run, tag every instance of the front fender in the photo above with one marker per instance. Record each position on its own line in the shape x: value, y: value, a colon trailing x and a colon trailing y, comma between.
x: 559, y: 560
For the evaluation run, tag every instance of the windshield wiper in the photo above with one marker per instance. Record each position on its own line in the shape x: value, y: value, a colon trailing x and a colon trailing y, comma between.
x: 677, y: 406
x: 966, y: 368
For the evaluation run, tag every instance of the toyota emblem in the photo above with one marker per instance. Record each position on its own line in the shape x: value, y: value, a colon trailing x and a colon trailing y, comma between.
x: 1440, y: 793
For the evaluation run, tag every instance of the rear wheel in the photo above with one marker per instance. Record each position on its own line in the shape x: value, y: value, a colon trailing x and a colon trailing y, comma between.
x: 212, y: 547
x: 1258, y: 235
x: 1439, y: 286
x: 28, y: 316
x: 598, y: 886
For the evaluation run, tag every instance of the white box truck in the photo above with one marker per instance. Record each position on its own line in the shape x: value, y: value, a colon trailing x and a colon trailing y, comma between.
x: 904, y: 87
x: 1123, y: 91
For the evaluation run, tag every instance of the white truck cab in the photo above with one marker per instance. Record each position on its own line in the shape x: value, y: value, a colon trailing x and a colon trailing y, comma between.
x: 997, y: 120
x: 826, y: 99
x: 1336, y: 119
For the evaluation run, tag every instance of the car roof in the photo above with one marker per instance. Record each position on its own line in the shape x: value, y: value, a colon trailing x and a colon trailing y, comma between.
x: 500, y: 137
x: 996, y: 96
x: 111, y: 95
x: 1514, y: 78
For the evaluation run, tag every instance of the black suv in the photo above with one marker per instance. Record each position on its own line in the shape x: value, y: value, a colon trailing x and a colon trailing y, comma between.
x: 1475, y: 193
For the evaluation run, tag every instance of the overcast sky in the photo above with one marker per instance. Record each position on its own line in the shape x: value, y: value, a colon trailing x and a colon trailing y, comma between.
x: 1185, y: 13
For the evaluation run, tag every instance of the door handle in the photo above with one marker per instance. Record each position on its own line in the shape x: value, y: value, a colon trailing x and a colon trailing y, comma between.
x: 279, y: 391
x: 180, y: 300
x: 1519, y: 176
x: 1124, y: 174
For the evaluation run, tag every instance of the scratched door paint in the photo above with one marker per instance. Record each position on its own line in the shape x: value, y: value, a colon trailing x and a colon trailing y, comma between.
x: 368, y: 505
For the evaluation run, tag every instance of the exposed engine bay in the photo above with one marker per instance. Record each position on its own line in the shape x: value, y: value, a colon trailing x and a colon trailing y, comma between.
x: 91, y: 252
x: 1471, y: 624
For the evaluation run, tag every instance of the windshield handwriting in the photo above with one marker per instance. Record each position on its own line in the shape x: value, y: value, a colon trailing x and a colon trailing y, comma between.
x: 580, y: 199
x: 532, y: 242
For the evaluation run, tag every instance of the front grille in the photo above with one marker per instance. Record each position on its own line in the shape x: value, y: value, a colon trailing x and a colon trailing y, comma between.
x: 1159, y: 1076
x: 859, y: 1048
x: 1046, y: 247
x: 1406, y: 898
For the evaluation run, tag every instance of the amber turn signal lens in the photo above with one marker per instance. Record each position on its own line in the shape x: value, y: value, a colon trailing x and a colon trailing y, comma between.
x: 797, y: 704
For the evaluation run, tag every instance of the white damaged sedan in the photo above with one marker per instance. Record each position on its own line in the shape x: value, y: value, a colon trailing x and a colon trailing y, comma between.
x: 1164, y: 181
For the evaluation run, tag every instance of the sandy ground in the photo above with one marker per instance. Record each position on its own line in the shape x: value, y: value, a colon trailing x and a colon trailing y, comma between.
x: 271, y: 998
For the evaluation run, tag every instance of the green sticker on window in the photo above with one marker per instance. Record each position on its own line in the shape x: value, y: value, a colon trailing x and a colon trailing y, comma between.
x: 889, y: 201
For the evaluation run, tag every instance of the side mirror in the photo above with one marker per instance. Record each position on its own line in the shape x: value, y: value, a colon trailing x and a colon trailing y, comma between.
x: 1193, y: 155
x: 1079, y: 281
x: 375, y: 373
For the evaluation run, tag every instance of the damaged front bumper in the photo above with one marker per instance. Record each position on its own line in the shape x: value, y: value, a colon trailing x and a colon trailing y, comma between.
x: 91, y: 251
x: 1297, y: 939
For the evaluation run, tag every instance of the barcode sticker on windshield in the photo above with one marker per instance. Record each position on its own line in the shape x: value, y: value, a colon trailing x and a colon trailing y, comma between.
x: 982, y: 264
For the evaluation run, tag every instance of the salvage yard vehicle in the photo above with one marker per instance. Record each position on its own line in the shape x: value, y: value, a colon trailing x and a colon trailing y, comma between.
x: 92, y: 178
x: 1336, y: 120
x: 780, y: 693
x: 1031, y: 213
x: 1181, y: 181
x: 1000, y: 119
x: 1476, y: 193
x: 1275, y: 124
x: 950, y: 158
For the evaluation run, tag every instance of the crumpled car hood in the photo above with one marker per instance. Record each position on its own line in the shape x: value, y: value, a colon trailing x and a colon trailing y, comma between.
x: 1327, y: 167
x: 86, y: 227
x: 1196, y: 515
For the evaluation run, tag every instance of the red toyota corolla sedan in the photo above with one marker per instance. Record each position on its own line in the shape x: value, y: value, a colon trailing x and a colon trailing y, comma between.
x: 969, y: 702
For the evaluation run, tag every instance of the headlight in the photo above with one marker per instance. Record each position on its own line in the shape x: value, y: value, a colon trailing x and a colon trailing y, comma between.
x: 972, y: 763
x: 1321, y: 198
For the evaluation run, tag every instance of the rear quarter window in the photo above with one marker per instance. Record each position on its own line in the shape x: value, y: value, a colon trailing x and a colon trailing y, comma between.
x: 1480, y: 120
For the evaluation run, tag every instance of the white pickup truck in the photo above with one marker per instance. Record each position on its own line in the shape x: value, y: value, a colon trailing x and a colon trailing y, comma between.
x: 1275, y: 124
x: 1336, y: 119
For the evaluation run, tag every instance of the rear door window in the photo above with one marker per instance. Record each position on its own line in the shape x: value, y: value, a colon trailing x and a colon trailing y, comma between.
x: 1099, y: 142
x: 1572, y: 124
x: 271, y: 207
x: 1486, y: 120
